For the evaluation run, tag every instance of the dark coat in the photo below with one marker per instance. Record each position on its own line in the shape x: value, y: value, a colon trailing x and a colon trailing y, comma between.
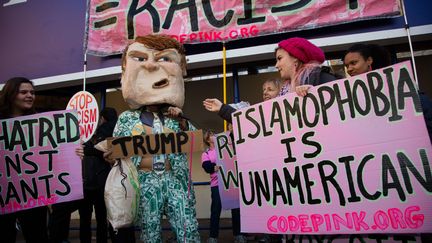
x: 95, y: 168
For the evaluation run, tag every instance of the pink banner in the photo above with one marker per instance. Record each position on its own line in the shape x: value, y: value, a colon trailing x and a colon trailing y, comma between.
x: 227, y: 176
x: 38, y: 164
x: 351, y: 157
x: 111, y: 24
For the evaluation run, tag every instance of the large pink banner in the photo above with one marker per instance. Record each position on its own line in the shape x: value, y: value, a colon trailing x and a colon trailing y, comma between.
x: 111, y: 24
x: 227, y: 176
x: 38, y: 164
x: 351, y: 157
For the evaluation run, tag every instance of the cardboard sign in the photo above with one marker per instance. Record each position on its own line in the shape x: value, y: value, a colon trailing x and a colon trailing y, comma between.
x: 351, y: 157
x: 151, y: 144
x: 38, y: 164
x: 110, y: 25
x: 227, y: 176
x: 88, y: 113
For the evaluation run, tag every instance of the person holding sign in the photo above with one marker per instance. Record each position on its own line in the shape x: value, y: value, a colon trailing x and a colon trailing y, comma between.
x: 362, y: 58
x: 208, y: 159
x: 95, y: 174
x: 17, y: 99
x: 153, y: 67
x: 299, y: 63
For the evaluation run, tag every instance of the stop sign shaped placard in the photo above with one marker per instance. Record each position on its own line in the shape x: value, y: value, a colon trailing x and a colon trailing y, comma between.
x: 88, y: 113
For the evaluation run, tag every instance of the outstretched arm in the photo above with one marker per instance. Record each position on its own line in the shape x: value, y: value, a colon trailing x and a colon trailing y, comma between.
x: 213, y: 105
x: 223, y: 110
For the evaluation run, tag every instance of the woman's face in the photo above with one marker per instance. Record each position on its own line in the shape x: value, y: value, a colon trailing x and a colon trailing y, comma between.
x: 270, y: 91
x: 286, y: 64
x: 24, y: 99
x: 356, y: 64
x: 210, y: 139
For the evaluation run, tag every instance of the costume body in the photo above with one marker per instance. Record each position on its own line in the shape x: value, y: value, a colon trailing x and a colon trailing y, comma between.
x: 167, y: 192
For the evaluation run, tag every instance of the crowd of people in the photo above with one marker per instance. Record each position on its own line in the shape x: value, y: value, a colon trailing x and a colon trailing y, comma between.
x: 166, y: 190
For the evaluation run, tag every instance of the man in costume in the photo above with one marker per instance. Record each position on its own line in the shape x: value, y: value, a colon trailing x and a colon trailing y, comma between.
x: 153, y: 67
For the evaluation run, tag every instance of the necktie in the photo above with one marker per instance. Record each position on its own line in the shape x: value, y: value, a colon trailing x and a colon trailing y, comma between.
x: 159, y: 159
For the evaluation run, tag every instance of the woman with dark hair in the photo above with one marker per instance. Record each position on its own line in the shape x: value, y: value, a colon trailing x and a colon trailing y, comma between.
x: 362, y: 58
x: 17, y: 99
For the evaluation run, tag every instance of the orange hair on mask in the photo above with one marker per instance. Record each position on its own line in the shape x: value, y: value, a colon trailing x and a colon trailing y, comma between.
x: 159, y: 43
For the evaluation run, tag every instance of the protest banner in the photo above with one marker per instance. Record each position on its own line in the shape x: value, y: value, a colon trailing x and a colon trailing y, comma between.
x: 351, y: 157
x: 88, y: 113
x: 110, y: 25
x: 227, y: 176
x: 38, y: 164
x: 151, y: 144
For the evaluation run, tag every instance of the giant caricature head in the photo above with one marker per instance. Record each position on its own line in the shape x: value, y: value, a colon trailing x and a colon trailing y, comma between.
x: 153, y: 67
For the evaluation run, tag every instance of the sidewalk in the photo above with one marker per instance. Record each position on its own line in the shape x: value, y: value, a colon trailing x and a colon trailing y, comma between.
x: 225, y: 232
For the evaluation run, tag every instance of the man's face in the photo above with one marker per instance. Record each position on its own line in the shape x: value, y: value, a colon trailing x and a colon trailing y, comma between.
x: 152, y: 77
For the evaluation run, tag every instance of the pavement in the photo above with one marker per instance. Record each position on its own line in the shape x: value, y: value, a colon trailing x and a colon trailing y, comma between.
x: 225, y: 232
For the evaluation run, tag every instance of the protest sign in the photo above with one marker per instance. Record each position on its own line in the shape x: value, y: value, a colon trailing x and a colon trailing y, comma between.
x: 351, y: 157
x: 151, y: 144
x: 38, y: 164
x: 227, y: 176
x: 88, y: 113
x: 111, y: 25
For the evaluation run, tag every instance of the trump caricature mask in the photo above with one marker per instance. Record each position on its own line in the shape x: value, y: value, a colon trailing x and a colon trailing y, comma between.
x: 153, y: 69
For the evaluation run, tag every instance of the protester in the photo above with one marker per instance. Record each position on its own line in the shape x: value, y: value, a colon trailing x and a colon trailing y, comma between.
x: 208, y: 159
x: 271, y: 89
x: 362, y: 58
x: 17, y: 99
x: 299, y: 64
x: 152, y: 84
x: 95, y: 173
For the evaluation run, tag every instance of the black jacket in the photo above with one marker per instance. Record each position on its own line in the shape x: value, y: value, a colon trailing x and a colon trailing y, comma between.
x: 95, y: 168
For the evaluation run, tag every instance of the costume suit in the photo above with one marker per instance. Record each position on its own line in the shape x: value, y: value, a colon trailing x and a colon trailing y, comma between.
x: 165, y: 193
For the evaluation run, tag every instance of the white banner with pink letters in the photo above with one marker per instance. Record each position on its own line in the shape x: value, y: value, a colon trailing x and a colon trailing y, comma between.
x: 38, y: 164
x: 111, y: 24
x: 351, y: 157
